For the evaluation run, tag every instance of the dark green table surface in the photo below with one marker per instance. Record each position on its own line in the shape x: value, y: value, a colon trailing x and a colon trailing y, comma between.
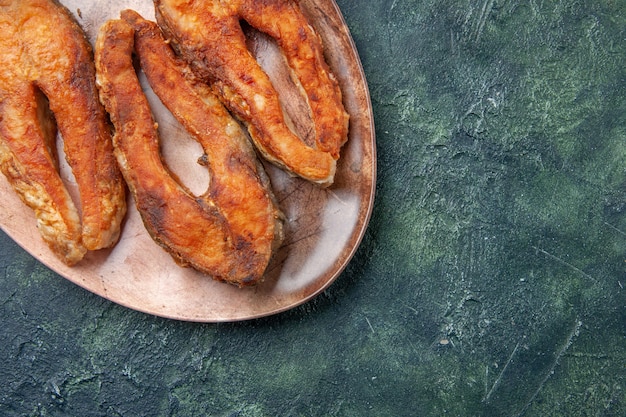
x: 490, y: 281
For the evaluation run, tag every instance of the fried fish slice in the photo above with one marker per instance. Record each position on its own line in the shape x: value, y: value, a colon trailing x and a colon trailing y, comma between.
x: 47, y: 62
x: 229, y: 231
x: 208, y: 34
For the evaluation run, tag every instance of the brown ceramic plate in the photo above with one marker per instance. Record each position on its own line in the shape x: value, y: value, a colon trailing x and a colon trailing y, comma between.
x: 324, y: 226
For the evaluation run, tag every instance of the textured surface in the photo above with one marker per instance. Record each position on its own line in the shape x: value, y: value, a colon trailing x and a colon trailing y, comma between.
x: 490, y: 281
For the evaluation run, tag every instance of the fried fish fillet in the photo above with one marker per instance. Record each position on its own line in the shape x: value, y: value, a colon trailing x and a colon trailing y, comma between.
x: 208, y: 34
x: 48, y: 74
x: 228, y: 232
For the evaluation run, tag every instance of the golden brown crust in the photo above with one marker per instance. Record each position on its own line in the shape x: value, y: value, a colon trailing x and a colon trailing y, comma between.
x: 229, y: 231
x: 31, y: 168
x: 208, y: 35
x: 45, y: 51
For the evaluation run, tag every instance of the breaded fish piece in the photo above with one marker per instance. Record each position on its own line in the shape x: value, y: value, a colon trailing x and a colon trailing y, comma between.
x: 229, y: 231
x: 208, y: 35
x: 48, y: 75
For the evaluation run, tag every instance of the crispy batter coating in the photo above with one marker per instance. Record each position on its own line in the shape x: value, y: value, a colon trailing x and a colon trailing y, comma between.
x: 47, y: 69
x: 208, y: 34
x: 229, y: 231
